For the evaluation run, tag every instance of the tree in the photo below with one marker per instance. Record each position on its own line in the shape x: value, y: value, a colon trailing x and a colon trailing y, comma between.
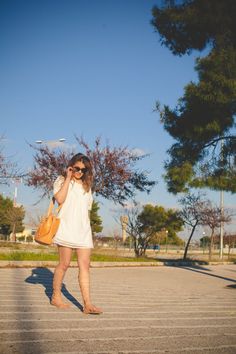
x: 159, y: 238
x: 5, y: 204
x: 143, y: 224
x: 34, y: 217
x: 156, y: 219
x: 11, y: 217
x: 95, y: 219
x: 185, y: 25
x: 205, y: 241
x: 199, y: 211
x: 15, y: 217
x: 212, y: 218
x: 116, y: 175
x: 192, y: 213
x: 8, y: 168
x: 229, y: 240
x: 205, y: 115
x: 116, y: 239
x: 133, y: 229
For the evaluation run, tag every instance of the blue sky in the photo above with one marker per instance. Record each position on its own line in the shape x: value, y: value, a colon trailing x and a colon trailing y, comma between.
x: 88, y: 68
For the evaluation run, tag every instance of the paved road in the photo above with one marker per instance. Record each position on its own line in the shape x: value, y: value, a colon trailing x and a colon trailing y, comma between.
x: 146, y: 310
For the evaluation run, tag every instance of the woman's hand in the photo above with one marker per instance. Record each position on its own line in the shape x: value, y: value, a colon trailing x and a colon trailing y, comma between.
x: 69, y: 172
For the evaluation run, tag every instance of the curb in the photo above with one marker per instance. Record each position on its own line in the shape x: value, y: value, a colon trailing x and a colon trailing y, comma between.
x: 73, y: 264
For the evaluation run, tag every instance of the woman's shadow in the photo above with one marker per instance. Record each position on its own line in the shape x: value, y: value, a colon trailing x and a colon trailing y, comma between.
x: 44, y: 277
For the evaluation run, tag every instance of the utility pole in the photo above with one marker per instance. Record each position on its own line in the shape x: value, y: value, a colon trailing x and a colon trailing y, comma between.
x: 16, y: 181
x: 221, y: 209
x: 221, y: 224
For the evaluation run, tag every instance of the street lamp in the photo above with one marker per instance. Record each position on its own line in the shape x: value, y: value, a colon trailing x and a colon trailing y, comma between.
x: 16, y: 181
x: 51, y: 143
x: 203, y: 241
x: 221, y: 208
x: 221, y: 224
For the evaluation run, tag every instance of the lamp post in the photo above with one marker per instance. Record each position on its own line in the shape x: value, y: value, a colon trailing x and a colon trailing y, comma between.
x: 16, y: 181
x: 221, y: 209
x: 203, y: 241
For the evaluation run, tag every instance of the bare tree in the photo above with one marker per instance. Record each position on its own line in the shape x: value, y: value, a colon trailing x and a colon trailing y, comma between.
x: 213, y: 217
x: 116, y: 239
x: 34, y: 218
x: 230, y: 240
x: 15, y: 216
x: 8, y: 168
x: 116, y: 175
x: 192, y: 214
x: 134, y: 230
x: 143, y: 224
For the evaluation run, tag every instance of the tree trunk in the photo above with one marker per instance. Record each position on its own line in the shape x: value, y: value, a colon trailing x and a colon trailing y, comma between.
x: 142, y: 251
x: 14, y: 232
x: 229, y: 252
x: 189, y: 240
x: 136, y: 250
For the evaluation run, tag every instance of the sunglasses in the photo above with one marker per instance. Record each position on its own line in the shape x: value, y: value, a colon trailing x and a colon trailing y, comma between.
x: 78, y: 169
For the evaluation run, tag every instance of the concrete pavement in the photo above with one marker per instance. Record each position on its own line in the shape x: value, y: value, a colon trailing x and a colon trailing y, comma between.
x: 146, y: 310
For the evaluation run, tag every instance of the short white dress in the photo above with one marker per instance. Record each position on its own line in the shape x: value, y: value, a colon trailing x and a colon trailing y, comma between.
x: 74, y: 230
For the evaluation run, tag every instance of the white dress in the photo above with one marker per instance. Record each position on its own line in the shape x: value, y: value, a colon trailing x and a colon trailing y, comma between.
x: 74, y: 230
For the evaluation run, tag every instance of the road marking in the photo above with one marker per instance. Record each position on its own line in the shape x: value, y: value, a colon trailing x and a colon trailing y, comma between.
x: 159, y: 298
x: 105, y: 339
x: 153, y: 326
x: 113, y: 328
x: 30, y: 305
x: 189, y: 302
x: 127, y: 319
x: 112, y: 313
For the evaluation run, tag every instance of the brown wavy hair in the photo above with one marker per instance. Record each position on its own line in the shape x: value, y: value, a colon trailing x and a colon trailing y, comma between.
x: 87, y: 177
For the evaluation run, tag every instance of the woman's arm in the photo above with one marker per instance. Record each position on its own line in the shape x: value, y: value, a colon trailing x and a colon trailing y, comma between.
x: 60, y: 196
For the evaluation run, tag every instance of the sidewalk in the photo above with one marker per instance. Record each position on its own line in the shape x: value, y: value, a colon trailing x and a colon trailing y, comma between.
x: 147, y: 310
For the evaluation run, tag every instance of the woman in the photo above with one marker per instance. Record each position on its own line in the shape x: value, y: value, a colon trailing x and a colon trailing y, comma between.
x: 73, y: 192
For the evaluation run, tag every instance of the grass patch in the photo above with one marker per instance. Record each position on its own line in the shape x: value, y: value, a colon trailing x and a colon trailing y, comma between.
x: 21, y: 246
x: 28, y: 256
x: 108, y: 258
x: 12, y: 245
x: 31, y: 256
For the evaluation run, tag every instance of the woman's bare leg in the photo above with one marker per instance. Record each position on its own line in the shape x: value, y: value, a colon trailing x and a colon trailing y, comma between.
x: 60, y: 270
x: 83, y: 257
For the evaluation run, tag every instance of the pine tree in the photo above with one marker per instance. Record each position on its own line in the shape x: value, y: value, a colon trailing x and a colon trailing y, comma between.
x: 205, y: 115
x: 95, y: 219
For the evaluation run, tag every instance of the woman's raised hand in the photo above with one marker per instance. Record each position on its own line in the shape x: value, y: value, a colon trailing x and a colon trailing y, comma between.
x: 69, y: 172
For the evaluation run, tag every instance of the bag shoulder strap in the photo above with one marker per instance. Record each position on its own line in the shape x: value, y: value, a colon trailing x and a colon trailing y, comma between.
x: 51, y: 206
